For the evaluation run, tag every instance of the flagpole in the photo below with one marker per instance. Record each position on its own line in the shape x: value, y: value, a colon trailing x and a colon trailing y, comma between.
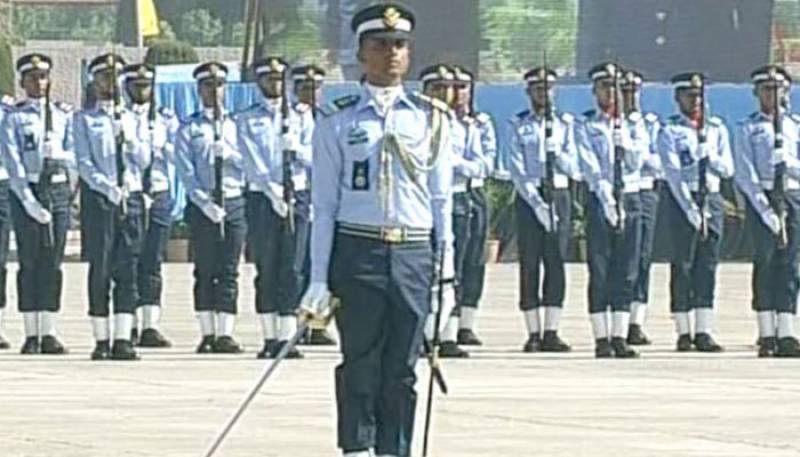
x: 137, y: 8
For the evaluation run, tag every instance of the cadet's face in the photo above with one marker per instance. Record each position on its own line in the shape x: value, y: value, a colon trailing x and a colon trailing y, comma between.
x: 606, y: 94
x: 539, y: 95
x: 690, y: 102
x: 105, y: 85
x: 308, y: 93
x: 462, y: 96
x: 212, y: 92
x: 139, y: 91
x: 767, y: 96
x: 384, y: 60
x: 271, y: 85
x: 35, y: 83
x: 441, y: 91
x: 630, y: 99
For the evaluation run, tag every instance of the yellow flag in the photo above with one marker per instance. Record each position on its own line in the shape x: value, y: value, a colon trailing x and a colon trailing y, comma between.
x: 148, y: 18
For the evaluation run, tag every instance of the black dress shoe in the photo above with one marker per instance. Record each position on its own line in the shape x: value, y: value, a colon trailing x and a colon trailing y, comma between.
x: 206, y: 345
x: 621, y: 349
x: 123, y: 350
x: 450, y: 350
x: 30, y: 346
x: 534, y: 343
x: 4, y: 343
x: 227, y: 345
x: 293, y: 353
x: 767, y: 346
x: 466, y: 337
x: 602, y: 348
x: 788, y: 346
x: 102, y: 350
x: 267, y: 350
x: 320, y: 337
x: 51, y: 345
x: 636, y: 336
x: 551, y: 342
x: 684, y: 343
x: 152, y: 338
x: 704, y: 342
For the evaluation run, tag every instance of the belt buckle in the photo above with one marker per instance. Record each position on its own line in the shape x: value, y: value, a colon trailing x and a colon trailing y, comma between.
x: 393, y: 234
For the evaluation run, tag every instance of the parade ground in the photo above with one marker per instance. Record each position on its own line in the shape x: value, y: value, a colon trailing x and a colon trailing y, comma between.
x: 502, y: 403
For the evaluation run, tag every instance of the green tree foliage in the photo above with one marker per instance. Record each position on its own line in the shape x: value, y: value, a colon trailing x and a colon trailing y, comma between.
x: 518, y: 32
x: 90, y: 23
x: 6, y: 68
x: 200, y: 28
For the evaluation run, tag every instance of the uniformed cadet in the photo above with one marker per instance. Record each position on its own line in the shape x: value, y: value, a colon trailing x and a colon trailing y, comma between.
x: 467, y: 162
x: 38, y: 153
x: 277, y: 167
x: 470, y: 287
x: 696, y: 155
x: 5, y: 226
x: 381, y: 191
x: 307, y: 82
x: 154, y: 134
x: 543, y: 207
x: 768, y: 174
x: 216, y: 209
x: 631, y: 84
x: 111, y: 168
x: 611, y: 151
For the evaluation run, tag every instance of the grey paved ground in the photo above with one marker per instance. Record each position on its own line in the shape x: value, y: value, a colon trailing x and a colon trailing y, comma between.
x: 503, y: 403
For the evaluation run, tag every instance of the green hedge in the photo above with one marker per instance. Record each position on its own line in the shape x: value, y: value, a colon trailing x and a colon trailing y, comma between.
x: 166, y: 52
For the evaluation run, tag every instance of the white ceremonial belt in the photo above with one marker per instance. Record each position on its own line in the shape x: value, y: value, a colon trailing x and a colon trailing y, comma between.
x: 232, y: 193
x: 792, y: 184
x: 647, y: 183
x: 459, y: 188
x: 630, y: 188
x: 475, y: 183
x: 159, y: 187
x: 713, y: 187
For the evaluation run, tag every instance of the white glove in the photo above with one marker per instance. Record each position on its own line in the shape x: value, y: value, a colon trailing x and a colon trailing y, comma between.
x: 47, y: 149
x: 213, y: 212
x: 316, y: 300
x: 279, y: 206
x: 778, y: 157
x: 147, y: 200
x: 543, y: 216
x: 449, y: 267
x: 610, y: 211
x: 551, y: 144
x: 117, y: 127
x: 289, y: 142
x: 37, y: 212
x: 695, y: 218
x: 702, y: 150
x: 115, y: 195
x: 774, y: 223
x: 218, y: 150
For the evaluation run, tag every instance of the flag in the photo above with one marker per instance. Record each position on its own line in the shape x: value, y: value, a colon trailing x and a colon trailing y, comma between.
x: 148, y: 18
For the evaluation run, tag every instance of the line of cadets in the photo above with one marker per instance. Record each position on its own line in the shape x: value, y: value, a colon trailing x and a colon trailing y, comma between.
x: 127, y: 153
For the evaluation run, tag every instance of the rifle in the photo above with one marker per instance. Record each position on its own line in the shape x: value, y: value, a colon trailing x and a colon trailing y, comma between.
x: 702, y: 165
x: 778, y: 199
x: 619, y: 156
x: 548, y: 188
x: 432, y: 351
x: 48, y: 169
x: 219, y: 194
x: 288, y: 157
x: 119, y: 141
x: 314, y: 94
x: 147, y: 178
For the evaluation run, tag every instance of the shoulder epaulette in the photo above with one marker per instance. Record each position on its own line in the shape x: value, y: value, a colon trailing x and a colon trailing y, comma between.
x: 795, y: 117
x: 589, y: 113
x: 675, y: 119
x: 66, y: 107
x: 523, y: 114
x: 166, y: 112
x: 20, y: 103
x: 715, y: 120
x: 326, y: 110
x: 651, y: 118
x: 567, y: 117
x: 346, y: 102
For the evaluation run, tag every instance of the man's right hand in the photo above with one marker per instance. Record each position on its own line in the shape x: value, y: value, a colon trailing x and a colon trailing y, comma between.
x: 316, y: 300
x: 214, y: 212
x: 38, y: 213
